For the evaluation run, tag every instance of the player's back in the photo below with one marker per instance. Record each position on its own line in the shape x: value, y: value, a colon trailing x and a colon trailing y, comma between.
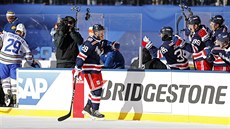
x: 174, y: 55
x: 13, y: 48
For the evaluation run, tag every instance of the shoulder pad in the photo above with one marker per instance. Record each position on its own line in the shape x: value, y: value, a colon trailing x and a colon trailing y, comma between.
x: 90, y: 39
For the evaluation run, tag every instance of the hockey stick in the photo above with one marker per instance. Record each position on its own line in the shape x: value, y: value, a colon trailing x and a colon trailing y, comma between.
x: 71, y: 105
x: 183, y: 7
x: 177, y: 24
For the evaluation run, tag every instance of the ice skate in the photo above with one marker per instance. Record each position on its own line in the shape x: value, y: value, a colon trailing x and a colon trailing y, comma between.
x: 13, y: 102
x: 87, y: 110
x: 97, y: 115
x: 7, y: 99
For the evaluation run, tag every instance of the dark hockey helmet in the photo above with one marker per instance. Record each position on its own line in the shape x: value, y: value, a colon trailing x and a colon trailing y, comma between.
x: 70, y: 20
x: 167, y: 33
x: 194, y: 19
x: 98, y: 27
x: 218, y: 19
x: 223, y: 37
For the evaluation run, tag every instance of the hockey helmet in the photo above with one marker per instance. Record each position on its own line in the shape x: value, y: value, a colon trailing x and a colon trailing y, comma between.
x: 10, y: 14
x: 21, y: 28
x: 218, y: 19
x: 98, y: 27
x: 167, y: 33
x: 194, y: 19
x: 223, y: 37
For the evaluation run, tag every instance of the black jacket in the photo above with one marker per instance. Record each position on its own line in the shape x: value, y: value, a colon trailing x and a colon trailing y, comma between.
x: 67, y: 46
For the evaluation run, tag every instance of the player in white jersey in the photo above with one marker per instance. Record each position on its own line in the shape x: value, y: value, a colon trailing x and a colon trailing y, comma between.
x: 14, y: 49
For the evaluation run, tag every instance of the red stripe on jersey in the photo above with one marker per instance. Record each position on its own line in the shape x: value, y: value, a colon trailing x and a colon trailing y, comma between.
x: 196, y: 55
x: 93, y: 98
x: 82, y: 56
x: 159, y: 54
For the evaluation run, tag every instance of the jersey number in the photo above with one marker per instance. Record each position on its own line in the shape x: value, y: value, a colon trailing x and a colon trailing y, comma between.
x: 14, y: 46
x: 179, y: 54
x: 85, y: 48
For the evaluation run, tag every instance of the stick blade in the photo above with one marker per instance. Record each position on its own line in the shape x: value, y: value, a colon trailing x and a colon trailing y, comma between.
x: 64, y: 117
x: 178, y: 20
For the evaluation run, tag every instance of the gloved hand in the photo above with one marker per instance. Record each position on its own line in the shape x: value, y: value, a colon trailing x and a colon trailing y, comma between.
x: 104, y: 43
x: 76, y: 72
x: 203, y: 33
x: 146, y: 43
x: 178, y: 41
x: 35, y: 64
x: 187, y: 32
x: 204, y: 53
x: 207, y: 50
x: 115, y: 45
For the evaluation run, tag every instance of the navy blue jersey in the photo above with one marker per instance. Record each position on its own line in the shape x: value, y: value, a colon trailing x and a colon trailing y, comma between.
x: 214, y: 34
x: 89, y: 57
x: 174, y: 55
x: 224, y: 55
x: 197, y: 44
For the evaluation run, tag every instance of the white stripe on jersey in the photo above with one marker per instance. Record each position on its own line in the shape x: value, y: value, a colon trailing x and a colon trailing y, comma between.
x: 13, y: 49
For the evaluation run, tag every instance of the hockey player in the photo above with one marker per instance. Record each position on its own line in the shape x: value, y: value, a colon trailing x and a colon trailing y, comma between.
x: 220, y: 54
x: 174, y: 55
x: 11, y: 54
x: 200, y: 42
x: 88, y: 62
x: 12, y: 22
x: 113, y: 58
x: 217, y: 26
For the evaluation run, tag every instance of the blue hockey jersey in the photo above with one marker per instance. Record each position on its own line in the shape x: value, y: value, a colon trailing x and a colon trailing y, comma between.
x: 88, y: 58
x: 174, y: 55
x: 11, y: 27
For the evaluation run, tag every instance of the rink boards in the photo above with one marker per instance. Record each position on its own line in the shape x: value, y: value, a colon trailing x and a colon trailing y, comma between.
x: 168, y: 96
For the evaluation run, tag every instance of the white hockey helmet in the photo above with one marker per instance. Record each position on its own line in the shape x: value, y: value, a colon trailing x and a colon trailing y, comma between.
x: 21, y: 27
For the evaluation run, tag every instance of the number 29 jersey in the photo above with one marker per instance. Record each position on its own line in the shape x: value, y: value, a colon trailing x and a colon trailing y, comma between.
x: 14, y: 49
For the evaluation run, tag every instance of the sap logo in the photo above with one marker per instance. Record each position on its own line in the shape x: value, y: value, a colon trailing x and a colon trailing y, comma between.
x: 33, y: 86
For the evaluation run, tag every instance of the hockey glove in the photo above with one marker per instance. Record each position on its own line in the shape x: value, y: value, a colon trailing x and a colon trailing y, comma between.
x: 178, y: 41
x: 187, y: 32
x: 76, y: 72
x: 203, y: 33
x: 202, y: 54
x: 146, y: 43
x: 205, y: 52
x: 115, y: 45
x: 35, y: 64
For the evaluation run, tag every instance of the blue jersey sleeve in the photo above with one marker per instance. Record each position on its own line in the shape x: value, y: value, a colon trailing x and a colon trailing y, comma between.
x: 109, y: 61
x: 85, y: 50
x: 153, y: 52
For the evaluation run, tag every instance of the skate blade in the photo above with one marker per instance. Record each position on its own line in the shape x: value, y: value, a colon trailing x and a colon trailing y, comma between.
x: 96, y: 118
x: 7, y: 102
x: 85, y: 113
